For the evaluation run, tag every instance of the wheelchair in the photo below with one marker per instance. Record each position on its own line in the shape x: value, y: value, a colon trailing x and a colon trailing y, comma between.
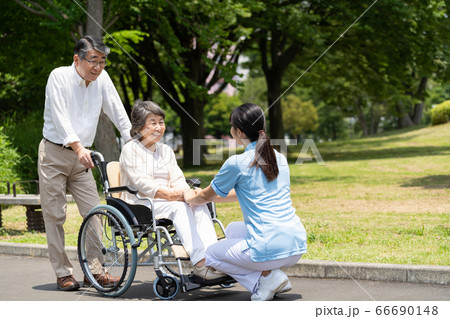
x: 117, y: 237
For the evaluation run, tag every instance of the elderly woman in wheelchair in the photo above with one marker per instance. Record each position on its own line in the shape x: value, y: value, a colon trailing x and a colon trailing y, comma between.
x: 145, y: 221
x: 152, y: 168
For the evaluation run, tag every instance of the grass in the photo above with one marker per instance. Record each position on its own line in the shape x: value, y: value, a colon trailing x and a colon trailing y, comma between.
x: 383, y: 199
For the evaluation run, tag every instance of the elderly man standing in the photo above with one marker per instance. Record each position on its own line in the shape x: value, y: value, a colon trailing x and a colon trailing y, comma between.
x: 74, y: 98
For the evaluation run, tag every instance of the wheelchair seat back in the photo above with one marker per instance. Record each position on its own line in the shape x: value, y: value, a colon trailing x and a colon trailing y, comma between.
x: 136, y: 215
x: 113, y: 173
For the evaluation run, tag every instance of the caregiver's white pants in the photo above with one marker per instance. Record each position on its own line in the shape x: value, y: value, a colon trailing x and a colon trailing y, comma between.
x: 193, y: 225
x: 228, y: 257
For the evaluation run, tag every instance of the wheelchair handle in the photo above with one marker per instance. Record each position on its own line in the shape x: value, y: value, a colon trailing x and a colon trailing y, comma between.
x: 97, y: 157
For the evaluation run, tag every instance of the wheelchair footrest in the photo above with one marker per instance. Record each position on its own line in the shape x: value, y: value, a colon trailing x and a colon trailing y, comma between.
x: 203, y: 282
x: 179, y: 252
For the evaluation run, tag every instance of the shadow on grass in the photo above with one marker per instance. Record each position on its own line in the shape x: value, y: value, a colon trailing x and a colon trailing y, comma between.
x: 302, y: 180
x: 400, y: 152
x: 430, y: 182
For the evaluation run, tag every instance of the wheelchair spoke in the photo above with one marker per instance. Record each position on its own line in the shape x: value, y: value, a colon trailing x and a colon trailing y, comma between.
x: 105, y: 251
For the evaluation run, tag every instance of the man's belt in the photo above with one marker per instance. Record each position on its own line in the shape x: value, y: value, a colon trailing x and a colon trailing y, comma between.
x: 60, y: 145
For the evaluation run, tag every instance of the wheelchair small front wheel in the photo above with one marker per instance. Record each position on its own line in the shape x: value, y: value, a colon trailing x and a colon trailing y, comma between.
x: 167, y: 288
x: 231, y: 285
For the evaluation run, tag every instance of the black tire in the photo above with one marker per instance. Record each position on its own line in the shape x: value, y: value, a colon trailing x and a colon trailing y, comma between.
x: 105, y: 243
x: 168, y: 291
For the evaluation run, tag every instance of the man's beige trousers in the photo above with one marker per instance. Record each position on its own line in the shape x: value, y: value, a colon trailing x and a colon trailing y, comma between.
x: 59, y: 168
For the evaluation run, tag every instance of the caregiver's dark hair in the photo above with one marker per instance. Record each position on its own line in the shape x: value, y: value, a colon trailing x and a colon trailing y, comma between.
x: 250, y: 119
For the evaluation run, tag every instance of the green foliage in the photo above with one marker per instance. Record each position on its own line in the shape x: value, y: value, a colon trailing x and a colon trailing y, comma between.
x: 25, y: 133
x: 217, y: 114
x: 437, y: 93
x: 9, y: 161
x: 254, y: 90
x: 440, y: 114
x: 299, y: 117
x: 124, y: 40
x: 31, y: 47
x: 332, y: 124
x: 10, y: 92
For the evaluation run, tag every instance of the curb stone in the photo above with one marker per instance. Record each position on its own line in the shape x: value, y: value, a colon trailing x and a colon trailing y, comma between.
x: 304, y: 268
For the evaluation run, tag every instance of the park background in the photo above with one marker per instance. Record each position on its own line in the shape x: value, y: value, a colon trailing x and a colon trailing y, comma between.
x: 367, y: 81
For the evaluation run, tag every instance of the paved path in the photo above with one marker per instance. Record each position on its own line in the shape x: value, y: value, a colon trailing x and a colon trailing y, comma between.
x: 28, y: 279
x: 31, y: 278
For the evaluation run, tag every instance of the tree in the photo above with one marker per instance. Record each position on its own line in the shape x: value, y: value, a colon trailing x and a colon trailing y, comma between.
x: 254, y: 90
x: 299, y: 117
x: 381, y: 67
x: 287, y: 33
x: 217, y: 112
x: 190, y: 51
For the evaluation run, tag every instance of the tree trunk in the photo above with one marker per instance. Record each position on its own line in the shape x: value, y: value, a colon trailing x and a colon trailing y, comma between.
x: 333, y: 131
x: 418, y: 107
x: 361, y: 118
x: 193, y: 131
x: 405, y: 121
x: 275, y: 111
x: 123, y: 85
x: 95, y: 18
x: 374, y: 120
x: 105, y: 139
x: 280, y: 60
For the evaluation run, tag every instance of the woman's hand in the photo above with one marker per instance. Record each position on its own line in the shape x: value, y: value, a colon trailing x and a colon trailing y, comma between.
x: 199, y: 196
x: 170, y: 194
x: 190, y: 194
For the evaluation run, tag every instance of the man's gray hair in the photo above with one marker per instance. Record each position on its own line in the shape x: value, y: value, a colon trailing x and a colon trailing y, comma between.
x: 90, y: 43
x: 141, y: 110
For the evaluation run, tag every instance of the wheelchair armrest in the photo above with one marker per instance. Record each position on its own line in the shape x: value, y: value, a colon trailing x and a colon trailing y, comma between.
x: 193, y: 182
x: 130, y: 189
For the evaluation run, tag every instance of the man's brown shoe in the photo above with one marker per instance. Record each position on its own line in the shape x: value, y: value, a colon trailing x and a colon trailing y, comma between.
x: 105, y: 280
x: 67, y: 283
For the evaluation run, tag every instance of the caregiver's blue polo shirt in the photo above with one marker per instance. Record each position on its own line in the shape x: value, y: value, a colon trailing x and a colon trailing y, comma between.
x: 274, y: 231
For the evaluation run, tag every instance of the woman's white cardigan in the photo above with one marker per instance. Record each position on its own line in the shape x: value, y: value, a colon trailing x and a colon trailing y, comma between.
x: 137, y: 164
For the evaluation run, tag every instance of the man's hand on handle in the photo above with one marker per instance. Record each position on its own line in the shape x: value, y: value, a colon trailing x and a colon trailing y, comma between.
x: 84, y: 155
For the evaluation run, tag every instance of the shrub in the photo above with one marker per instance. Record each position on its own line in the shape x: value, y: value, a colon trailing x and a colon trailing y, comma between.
x: 9, y: 161
x: 25, y: 133
x: 440, y: 114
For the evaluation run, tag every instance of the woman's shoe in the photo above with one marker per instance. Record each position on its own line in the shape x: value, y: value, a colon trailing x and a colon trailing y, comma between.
x: 285, y: 288
x: 269, y: 285
x: 207, y: 273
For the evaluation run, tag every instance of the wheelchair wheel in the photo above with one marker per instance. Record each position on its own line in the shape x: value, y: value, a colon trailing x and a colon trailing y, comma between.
x: 105, y: 248
x: 166, y: 290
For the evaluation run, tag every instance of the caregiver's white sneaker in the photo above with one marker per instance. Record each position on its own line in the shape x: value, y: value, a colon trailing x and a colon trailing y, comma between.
x: 285, y: 288
x: 269, y: 285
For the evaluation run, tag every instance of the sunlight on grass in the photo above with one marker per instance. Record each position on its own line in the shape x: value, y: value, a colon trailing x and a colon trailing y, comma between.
x: 383, y: 199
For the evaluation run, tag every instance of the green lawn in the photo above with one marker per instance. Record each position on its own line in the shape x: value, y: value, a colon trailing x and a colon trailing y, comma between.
x: 384, y: 199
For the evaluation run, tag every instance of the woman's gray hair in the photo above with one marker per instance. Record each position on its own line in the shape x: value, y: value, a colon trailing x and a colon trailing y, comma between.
x: 90, y: 43
x: 141, y: 110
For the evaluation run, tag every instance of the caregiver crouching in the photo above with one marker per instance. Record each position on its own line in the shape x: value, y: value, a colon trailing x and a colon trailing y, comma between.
x: 271, y: 235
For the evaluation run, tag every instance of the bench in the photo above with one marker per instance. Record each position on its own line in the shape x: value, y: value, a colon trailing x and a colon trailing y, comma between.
x: 32, y: 203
